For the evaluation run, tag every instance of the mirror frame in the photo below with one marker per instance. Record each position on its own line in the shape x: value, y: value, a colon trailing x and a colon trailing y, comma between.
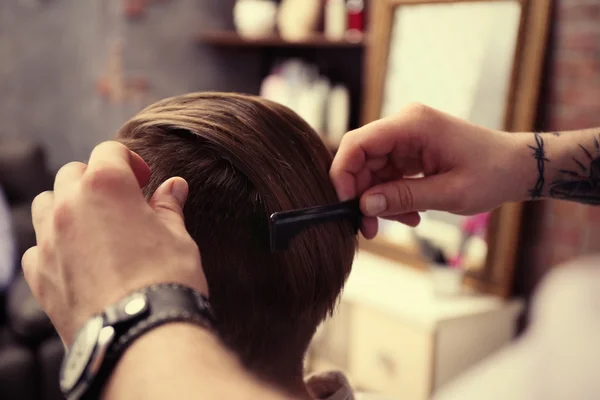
x: 505, y: 224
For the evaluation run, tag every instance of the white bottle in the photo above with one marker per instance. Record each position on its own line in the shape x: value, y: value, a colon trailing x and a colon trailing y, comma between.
x: 338, y: 114
x: 336, y: 20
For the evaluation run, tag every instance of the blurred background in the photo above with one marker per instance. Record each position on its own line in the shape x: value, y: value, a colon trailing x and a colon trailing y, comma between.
x: 421, y: 306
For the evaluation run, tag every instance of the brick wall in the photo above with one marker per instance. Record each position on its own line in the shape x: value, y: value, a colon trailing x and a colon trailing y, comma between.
x: 556, y: 231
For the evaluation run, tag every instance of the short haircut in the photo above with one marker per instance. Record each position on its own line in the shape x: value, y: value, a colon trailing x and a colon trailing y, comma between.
x: 244, y: 158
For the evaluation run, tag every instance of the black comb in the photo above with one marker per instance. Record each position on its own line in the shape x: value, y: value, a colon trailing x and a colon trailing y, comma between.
x: 285, y: 225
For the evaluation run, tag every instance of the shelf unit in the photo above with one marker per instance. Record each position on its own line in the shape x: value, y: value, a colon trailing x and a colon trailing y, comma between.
x: 232, y: 39
x: 341, y: 61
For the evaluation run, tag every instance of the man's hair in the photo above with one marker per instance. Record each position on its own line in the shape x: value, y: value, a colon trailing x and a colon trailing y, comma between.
x: 244, y: 158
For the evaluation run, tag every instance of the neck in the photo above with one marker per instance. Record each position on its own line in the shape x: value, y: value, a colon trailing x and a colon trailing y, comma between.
x: 294, y: 387
x: 288, y: 378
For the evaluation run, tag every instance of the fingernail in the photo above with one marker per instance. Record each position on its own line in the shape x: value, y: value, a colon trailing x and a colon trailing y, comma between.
x: 344, y: 196
x: 375, y: 204
x: 179, y: 190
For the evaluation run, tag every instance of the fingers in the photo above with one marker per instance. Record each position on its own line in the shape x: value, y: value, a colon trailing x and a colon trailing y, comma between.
x: 168, y: 201
x: 411, y: 219
x: 342, y: 173
x: 436, y: 192
x: 41, y: 213
x: 29, y: 264
x: 369, y: 227
x: 67, y: 176
x: 118, y: 158
x: 141, y: 170
x: 387, y: 139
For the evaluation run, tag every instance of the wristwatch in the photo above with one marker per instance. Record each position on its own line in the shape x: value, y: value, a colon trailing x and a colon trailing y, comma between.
x: 100, y: 343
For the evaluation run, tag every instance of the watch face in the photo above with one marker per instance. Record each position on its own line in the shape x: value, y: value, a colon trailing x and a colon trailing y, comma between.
x: 78, y: 356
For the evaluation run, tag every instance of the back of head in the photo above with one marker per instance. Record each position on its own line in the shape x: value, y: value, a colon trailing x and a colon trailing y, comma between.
x: 244, y: 158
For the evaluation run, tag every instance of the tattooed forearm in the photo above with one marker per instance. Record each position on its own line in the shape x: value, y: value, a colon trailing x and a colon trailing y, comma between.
x: 583, y: 183
x: 540, y: 156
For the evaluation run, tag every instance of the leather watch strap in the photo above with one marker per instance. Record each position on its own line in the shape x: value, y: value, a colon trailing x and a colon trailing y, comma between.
x: 166, y: 303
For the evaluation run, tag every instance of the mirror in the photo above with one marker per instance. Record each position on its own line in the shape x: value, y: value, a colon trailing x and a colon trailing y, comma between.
x: 466, y: 58
x: 461, y: 63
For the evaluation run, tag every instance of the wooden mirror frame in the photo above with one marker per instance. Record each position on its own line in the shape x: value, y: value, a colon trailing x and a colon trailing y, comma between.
x: 505, y: 223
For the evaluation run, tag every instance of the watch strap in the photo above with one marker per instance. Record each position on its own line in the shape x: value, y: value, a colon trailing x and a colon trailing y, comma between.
x: 166, y: 303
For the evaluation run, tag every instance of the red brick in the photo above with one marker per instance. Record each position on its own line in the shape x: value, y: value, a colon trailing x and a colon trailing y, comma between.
x: 578, y: 95
x: 578, y: 12
x: 585, y: 41
x: 561, y: 254
x: 577, y: 69
x: 569, y: 236
x: 579, y: 118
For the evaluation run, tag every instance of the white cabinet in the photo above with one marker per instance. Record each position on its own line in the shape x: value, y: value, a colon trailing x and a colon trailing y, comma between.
x: 392, y: 335
x: 388, y: 355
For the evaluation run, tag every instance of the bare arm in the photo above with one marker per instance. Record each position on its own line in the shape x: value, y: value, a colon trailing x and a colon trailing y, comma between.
x: 179, y: 361
x: 422, y: 159
x: 562, y: 166
x: 99, y: 240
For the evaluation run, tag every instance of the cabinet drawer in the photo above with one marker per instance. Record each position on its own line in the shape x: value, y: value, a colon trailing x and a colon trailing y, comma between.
x: 387, y: 356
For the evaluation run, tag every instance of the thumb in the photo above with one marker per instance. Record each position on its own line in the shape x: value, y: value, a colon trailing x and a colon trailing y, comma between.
x: 168, y: 201
x: 407, y: 195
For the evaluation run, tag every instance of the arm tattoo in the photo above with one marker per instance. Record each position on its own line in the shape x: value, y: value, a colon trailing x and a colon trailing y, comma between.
x: 540, y: 156
x: 582, y: 184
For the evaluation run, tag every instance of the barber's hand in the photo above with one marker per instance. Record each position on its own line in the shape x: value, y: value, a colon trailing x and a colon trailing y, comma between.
x: 98, y: 239
x: 463, y: 168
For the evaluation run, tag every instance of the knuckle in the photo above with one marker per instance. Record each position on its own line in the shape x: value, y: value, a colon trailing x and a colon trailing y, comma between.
x: 28, y: 260
x: 63, y: 215
x: 347, y: 142
x: 187, y: 245
x: 104, y: 179
x: 351, y: 136
x: 111, y: 146
x: 39, y: 199
x: 420, y: 117
x: 416, y: 110
x: 402, y: 197
x: 69, y: 166
x: 168, y: 205
x: 46, y: 250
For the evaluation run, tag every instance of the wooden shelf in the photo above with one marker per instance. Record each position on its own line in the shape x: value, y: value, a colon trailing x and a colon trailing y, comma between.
x: 232, y: 39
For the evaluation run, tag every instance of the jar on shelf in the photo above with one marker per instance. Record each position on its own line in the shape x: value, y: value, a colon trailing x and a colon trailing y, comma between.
x: 298, y: 19
x: 255, y: 19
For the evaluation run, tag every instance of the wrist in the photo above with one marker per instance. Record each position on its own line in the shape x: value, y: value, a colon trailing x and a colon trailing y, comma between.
x: 522, y: 167
x: 559, y: 165
x: 103, y: 340
x: 574, y: 167
x: 147, y: 357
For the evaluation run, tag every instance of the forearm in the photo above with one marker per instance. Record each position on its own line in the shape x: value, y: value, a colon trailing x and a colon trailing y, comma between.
x: 562, y: 165
x: 181, y: 361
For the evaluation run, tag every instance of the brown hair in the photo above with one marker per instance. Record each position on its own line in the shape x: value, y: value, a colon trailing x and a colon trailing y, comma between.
x: 244, y: 158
